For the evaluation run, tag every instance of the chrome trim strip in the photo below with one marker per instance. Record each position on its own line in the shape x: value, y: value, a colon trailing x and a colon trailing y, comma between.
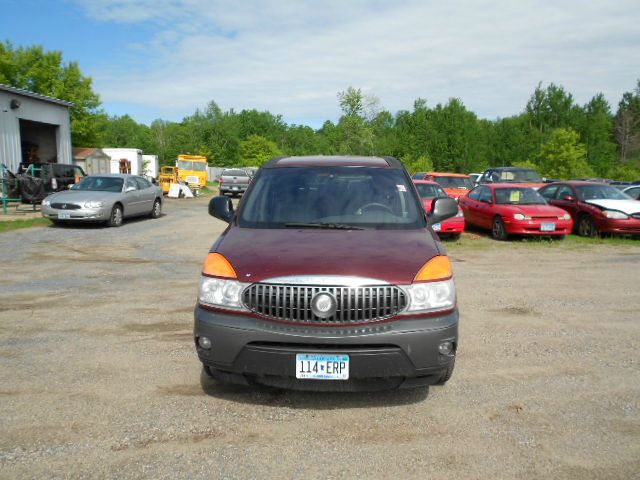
x: 326, y: 280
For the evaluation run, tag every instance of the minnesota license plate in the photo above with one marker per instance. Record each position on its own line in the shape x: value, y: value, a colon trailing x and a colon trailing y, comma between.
x: 548, y: 227
x: 64, y: 215
x: 320, y: 366
x: 436, y: 227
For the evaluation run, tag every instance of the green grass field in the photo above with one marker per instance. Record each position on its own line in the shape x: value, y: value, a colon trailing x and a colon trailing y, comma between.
x: 9, y: 225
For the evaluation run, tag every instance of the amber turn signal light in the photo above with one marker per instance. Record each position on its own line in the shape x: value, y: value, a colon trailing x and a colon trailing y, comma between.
x: 217, y: 265
x: 438, y: 268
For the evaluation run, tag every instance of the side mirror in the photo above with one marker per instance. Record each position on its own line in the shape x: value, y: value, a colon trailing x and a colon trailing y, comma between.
x: 221, y: 207
x: 443, y: 208
x: 568, y: 198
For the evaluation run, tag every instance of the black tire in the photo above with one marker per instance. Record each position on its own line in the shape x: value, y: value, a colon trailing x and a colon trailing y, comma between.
x: 446, y: 373
x: 207, y: 370
x: 156, y: 211
x: 454, y: 236
x: 586, y: 226
x: 498, y: 230
x: 115, y: 219
x: 559, y: 237
x: 58, y: 223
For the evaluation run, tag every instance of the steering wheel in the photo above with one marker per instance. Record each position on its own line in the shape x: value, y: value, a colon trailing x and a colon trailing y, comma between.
x: 374, y: 206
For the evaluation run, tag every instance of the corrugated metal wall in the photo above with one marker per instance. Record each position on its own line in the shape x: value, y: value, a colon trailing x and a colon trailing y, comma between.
x: 36, y: 111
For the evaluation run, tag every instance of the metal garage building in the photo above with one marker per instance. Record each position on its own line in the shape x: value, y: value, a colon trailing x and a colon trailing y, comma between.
x: 34, y: 127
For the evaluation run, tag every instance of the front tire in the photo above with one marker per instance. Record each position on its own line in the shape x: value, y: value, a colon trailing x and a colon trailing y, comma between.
x: 587, y: 226
x: 115, y: 219
x: 498, y: 230
x: 156, y: 211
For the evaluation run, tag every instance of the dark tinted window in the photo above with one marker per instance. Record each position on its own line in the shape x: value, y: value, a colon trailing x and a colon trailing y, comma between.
x: 105, y: 184
x: 601, y: 192
x: 485, y: 195
x: 453, y: 182
x: 418, y: 176
x: 334, y: 196
x: 131, y: 183
x: 234, y: 173
x: 426, y: 190
x: 549, y: 192
x: 564, y: 191
x: 475, y: 193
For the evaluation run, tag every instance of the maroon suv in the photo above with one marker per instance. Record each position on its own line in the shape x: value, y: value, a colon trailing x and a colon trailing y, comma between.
x: 328, y: 277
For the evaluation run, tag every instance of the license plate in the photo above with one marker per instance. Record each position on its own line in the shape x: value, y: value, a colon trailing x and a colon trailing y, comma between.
x: 320, y: 366
x: 548, y: 227
x: 436, y: 227
x: 64, y: 216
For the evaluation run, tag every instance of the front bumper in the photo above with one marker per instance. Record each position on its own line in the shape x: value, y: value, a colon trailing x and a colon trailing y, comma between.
x: 400, y: 353
x: 534, y: 227
x: 82, y: 214
x: 630, y: 226
x: 453, y: 225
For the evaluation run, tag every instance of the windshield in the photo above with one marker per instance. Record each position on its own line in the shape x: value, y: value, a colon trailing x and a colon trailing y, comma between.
x: 517, y: 176
x: 518, y: 196
x: 103, y: 184
x: 454, y: 182
x: 426, y: 190
x: 331, y: 197
x: 601, y: 192
x: 185, y: 165
x: 199, y: 166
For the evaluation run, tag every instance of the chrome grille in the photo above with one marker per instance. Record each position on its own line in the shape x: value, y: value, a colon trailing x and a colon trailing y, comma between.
x: 66, y: 206
x: 354, y: 304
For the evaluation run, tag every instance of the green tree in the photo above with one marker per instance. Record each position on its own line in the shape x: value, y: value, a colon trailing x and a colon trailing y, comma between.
x: 562, y: 156
x: 597, y: 134
x: 256, y: 150
x: 34, y: 69
x: 627, y: 125
x: 351, y: 102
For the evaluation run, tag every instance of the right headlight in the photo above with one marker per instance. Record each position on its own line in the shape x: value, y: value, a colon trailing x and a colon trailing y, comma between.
x: 46, y: 202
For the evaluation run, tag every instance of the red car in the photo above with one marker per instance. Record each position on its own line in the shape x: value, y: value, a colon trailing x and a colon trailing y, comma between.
x: 428, y: 191
x: 595, y: 207
x: 454, y: 184
x: 514, y: 210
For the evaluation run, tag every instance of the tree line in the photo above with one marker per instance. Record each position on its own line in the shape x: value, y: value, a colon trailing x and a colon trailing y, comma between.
x: 553, y: 133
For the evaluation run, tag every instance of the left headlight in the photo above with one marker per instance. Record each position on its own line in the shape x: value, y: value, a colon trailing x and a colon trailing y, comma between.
x: 218, y: 292
x: 615, y: 214
x: 94, y: 204
x: 431, y: 296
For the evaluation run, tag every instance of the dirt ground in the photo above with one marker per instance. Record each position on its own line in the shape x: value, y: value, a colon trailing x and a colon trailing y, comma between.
x: 99, y: 377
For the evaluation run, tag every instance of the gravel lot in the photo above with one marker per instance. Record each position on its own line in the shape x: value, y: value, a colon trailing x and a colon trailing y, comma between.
x: 99, y: 377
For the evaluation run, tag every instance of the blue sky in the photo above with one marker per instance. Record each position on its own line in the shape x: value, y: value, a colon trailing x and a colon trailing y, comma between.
x: 165, y: 58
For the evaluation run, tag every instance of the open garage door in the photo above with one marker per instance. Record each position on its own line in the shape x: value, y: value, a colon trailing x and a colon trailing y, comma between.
x: 38, y: 142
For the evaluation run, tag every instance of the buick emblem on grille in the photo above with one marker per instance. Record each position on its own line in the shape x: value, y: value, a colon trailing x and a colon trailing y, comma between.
x: 64, y: 206
x: 323, y: 305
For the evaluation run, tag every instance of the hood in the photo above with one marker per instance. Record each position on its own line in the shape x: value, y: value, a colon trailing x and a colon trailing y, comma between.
x: 76, y: 196
x: 627, y: 206
x: 539, y: 210
x: 456, y: 192
x: 394, y: 256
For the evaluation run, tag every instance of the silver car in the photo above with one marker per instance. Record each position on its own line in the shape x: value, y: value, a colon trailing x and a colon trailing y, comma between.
x: 105, y: 198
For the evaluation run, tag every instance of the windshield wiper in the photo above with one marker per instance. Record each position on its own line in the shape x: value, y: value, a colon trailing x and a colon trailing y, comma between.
x: 331, y: 226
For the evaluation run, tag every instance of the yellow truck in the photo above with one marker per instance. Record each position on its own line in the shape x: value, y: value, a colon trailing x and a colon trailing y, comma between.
x: 168, y: 176
x: 192, y: 170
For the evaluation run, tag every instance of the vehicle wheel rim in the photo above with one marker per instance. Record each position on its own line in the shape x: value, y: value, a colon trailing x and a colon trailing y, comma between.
x: 585, y: 228
x: 117, y: 216
x: 156, y: 209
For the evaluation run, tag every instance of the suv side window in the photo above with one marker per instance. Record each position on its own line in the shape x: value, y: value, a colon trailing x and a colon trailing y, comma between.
x: 486, y: 178
x: 142, y: 183
x: 550, y: 192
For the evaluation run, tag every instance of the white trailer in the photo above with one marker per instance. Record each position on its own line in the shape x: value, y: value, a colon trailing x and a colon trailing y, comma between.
x: 150, y: 165
x: 133, y: 155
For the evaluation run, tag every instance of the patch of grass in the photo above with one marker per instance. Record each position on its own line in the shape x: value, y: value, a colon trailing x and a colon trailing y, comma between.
x: 475, y: 240
x: 9, y: 225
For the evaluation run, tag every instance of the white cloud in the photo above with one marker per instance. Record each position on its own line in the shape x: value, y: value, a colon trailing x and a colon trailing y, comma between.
x: 292, y: 57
